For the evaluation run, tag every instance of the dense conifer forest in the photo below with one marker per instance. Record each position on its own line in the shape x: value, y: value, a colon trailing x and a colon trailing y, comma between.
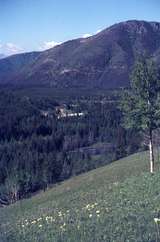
x: 48, y: 136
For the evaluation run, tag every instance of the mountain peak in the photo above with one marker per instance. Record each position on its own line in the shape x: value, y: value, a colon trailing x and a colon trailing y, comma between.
x: 104, y: 60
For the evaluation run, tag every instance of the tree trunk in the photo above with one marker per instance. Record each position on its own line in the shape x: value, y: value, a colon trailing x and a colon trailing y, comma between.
x: 151, y: 154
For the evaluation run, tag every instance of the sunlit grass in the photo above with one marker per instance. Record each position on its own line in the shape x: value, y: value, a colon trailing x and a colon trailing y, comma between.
x: 117, y: 203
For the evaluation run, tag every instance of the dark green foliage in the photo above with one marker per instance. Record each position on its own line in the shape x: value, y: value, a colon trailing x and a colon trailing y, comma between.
x: 37, y: 150
x: 141, y: 103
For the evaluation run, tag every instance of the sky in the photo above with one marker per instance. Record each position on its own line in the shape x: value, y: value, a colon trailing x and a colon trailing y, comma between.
x: 33, y: 25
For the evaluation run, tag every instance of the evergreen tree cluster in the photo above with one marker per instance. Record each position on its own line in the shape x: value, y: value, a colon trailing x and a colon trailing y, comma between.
x: 38, y: 150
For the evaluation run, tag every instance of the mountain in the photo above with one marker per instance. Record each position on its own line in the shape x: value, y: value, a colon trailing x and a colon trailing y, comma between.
x: 12, y: 66
x: 104, y: 60
x: 2, y: 56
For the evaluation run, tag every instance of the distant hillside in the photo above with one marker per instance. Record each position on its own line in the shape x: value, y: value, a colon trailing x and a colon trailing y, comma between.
x: 2, y: 56
x: 12, y: 66
x: 114, y: 203
x: 103, y: 60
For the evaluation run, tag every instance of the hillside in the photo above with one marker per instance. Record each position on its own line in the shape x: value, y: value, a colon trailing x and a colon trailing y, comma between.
x: 2, y: 56
x: 103, y: 60
x: 117, y: 203
x: 12, y: 66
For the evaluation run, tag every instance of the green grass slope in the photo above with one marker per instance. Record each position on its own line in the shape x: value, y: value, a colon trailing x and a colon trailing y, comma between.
x: 115, y: 203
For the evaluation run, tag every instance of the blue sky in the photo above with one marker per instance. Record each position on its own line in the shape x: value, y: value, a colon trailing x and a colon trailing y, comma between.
x: 27, y: 25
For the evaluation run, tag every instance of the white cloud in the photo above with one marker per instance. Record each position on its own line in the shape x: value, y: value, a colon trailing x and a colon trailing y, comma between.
x: 89, y: 35
x: 50, y: 44
x: 86, y: 35
x: 98, y: 31
x: 12, y: 48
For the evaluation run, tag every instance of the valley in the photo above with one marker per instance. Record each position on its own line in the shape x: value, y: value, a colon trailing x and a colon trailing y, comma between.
x: 79, y: 127
x: 45, y: 139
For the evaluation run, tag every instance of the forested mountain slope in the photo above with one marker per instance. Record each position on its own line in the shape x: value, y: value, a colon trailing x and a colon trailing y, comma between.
x: 102, y: 60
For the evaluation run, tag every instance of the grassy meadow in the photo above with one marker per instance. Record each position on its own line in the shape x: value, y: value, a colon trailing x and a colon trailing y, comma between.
x: 114, y: 203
